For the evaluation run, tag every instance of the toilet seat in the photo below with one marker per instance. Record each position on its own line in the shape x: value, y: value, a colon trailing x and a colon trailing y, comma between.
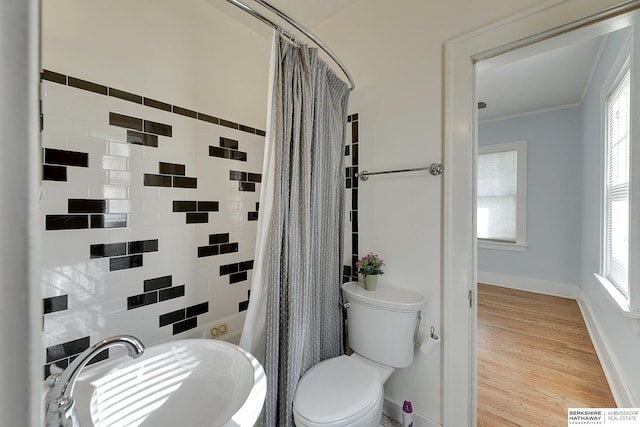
x: 338, y: 392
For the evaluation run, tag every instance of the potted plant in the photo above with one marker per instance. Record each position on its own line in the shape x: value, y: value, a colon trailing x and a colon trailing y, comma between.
x: 370, y: 266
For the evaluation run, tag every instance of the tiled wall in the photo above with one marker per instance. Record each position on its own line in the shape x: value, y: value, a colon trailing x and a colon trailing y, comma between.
x: 349, y: 272
x: 148, y: 213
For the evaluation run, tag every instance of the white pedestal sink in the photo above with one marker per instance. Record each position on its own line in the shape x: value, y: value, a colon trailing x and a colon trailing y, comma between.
x: 184, y: 383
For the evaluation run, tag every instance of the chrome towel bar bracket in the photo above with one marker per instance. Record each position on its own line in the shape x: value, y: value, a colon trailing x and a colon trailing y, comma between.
x: 435, y: 169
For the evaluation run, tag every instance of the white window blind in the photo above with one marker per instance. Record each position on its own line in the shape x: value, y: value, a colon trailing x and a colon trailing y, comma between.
x: 497, y: 188
x: 617, y: 184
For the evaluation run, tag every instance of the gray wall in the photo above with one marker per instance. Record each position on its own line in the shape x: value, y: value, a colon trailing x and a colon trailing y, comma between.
x: 553, y: 196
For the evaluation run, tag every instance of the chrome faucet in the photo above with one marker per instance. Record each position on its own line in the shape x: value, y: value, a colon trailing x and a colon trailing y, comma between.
x: 59, y: 401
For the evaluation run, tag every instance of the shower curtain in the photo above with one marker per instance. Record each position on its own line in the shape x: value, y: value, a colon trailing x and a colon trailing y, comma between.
x: 294, y: 319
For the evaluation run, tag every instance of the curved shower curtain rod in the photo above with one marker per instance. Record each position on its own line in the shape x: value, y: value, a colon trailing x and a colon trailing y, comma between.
x: 298, y: 26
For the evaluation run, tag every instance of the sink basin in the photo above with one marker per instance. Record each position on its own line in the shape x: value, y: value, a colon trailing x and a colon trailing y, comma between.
x: 191, y: 382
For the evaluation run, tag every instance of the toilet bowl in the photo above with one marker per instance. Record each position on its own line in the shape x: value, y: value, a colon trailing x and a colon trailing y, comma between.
x: 339, y: 392
x: 348, y: 390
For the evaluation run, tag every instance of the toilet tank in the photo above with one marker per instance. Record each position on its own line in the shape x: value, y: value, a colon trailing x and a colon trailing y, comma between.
x: 381, y: 324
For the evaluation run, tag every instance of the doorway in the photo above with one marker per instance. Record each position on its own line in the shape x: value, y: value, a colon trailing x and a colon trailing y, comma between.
x: 559, y: 21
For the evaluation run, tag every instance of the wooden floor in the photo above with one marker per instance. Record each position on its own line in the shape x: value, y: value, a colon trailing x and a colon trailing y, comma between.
x: 535, y: 360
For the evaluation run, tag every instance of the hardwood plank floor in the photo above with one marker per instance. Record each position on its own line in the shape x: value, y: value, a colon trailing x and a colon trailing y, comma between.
x: 535, y: 360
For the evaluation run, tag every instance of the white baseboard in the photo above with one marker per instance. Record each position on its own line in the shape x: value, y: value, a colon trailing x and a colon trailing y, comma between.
x: 617, y: 383
x: 530, y: 285
x: 393, y: 410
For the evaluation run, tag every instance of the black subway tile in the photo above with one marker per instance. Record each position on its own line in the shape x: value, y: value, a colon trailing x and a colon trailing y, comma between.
x: 66, y: 158
x: 156, y: 104
x: 237, y: 176
x: 141, y: 300
x: 354, y: 221
x: 218, y: 238
x: 223, y: 153
x: 53, y: 77
x: 347, y: 150
x: 354, y: 199
x: 238, y: 155
x: 139, y: 138
x: 123, y: 121
x: 228, y: 124
x: 354, y: 117
x: 228, y: 248
x: 197, y: 217
x: 185, y: 182
x: 207, y: 118
x: 142, y: 246
x: 109, y: 221
x: 151, y: 180
x: 170, y: 293
x: 125, y: 95
x: 260, y: 132
x: 67, y: 349
x: 197, y: 309
x: 254, y: 177
x: 228, y: 269
x: 85, y: 85
x: 228, y: 143
x: 185, y: 112
x: 204, y: 206
x: 122, y: 263
x: 103, y: 355
x: 242, y: 306
x: 184, y: 206
x: 53, y: 304
x: 158, y: 283
x: 246, y: 265
x: 107, y: 250
x: 54, y: 173
x: 354, y: 154
x: 354, y: 132
x: 87, y: 206
x: 185, y: 325
x: 211, y: 250
x: 246, y: 129
x: 238, y: 277
x: 247, y: 186
x: 172, y: 169
x: 354, y: 243
x: 346, y: 270
x: 173, y: 317
x: 66, y: 222
x: 157, y: 128
x: 252, y: 216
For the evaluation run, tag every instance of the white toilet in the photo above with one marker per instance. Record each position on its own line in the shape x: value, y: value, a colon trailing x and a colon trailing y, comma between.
x: 347, y: 390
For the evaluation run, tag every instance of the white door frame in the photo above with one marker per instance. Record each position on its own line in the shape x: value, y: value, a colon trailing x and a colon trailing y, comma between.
x: 554, y: 18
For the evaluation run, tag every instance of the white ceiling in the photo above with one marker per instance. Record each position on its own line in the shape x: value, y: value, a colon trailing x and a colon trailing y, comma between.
x: 536, y: 79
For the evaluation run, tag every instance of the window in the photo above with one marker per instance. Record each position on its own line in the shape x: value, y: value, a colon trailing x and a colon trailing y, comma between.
x: 501, y: 196
x: 620, y: 233
x: 616, y: 188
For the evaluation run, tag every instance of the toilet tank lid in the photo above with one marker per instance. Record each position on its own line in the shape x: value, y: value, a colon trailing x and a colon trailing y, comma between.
x: 392, y: 299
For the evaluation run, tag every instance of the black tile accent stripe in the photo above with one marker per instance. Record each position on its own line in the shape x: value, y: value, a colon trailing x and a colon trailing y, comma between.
x: 54, y: 173
x: 125, y: 262
x: 158, y: 283
x: 66, y: 158
x: 107, y: 250
x: 83, y: 84
x: 123, y: 121
x: 185, y: 182
x: 140, y: 138
x: 155, y: 291
x: 158, y: 128
x: 62, y: 354
x: 53, y: 304
x: 66, y: 222
x: 172, y: 169
x: 218, y: 245
x: 156, y: 104
x: 93, y: 87
x: 228, y: 143
x: 197, y: 217
x: 142, y: 246
x: 125, y: 95
x: 237, y: 277
x: 151, y: 180
x: 350, y: 272
x: 184, y: 318
x: 87, y: 206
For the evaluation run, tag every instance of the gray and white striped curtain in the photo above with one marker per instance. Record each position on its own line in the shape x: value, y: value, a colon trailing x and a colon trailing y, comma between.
x: 296, y: 282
